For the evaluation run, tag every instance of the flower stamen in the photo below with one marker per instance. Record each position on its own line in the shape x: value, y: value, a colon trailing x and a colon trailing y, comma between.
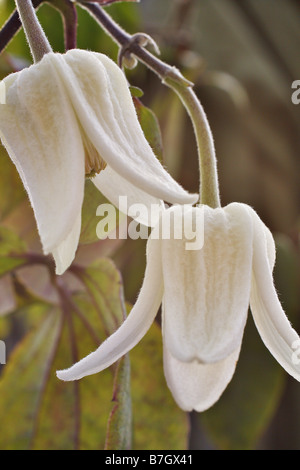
x: 94, y: 163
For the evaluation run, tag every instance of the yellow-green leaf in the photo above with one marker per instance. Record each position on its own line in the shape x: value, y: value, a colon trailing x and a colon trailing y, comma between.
x: 119, y: 430
x: 12, y: 250
x: 158, y: 422
x: 22, y: 383
x: 150, y: 126
x: 12, y: 191
x: 92, y: 199
x: 37, y: 410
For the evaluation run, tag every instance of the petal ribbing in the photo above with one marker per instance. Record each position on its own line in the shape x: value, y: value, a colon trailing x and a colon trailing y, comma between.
x: 207, y: 291
x: 101, y: 98
x: 40, y: 132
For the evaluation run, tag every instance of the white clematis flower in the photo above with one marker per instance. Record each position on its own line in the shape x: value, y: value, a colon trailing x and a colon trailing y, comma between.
x: 205, y: 296
x: 72, y: 115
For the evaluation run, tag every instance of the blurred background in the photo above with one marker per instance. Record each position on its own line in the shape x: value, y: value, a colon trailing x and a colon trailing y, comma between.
x: 242, y: 56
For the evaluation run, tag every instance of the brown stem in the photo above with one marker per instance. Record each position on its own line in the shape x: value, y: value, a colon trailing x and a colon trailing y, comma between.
x: 37, y: 40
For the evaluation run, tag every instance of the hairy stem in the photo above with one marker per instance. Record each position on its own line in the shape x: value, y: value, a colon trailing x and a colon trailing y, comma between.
x: 12, y: 26
x: 37, y: 40
x: 170, y: 76
x: 123, y: 39
x: 209, y: 186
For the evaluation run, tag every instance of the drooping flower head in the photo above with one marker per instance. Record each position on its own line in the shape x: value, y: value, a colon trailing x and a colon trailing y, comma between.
x: 205, y: 295
x: 70, y: 116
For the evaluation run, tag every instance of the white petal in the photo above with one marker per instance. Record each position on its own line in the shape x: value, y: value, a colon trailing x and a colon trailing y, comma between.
x: 207, y: 291
x: 40, y: 132
x: 134, y: 327
x: 64, y: 253
x: 114, y: 187
x: 99, y: 92
x: 273, y: 325
x: 197, y: 386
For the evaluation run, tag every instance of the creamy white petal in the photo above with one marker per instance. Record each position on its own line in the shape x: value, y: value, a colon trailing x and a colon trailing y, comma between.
x: 101, y: 98
x: 271, y: 248
x: 197, y: 386
x: 273, y: 325
x: 134, y: 327
x: 64, y: 253
x: 207, y: 291
x: 114, y: 187
x: 40, y: 132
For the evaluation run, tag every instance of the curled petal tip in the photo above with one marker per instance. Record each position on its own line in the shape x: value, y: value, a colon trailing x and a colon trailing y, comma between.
x: 60, y: 375
x: 65, y: 375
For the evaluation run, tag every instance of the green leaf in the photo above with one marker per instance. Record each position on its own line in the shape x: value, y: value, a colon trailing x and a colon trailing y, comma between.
x: 12, y: 250
x: 173, y: 117
x: 92, y: 199
x: 73, y: 415
x: 104, y: 287
x: 119, y: 432
x: 22, y: 383
x: 136, y: 92
x: 150, y: 126
x: 158, y: 422
x: 287, y: 276
x: 12, y: 191
x: 37, y: 410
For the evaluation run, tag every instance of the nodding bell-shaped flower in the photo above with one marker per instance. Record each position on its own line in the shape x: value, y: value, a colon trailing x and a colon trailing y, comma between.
x: 70, y: 116
x: 205, y: 295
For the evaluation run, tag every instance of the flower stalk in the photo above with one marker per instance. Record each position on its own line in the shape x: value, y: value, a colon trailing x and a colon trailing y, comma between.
x: 37, y: 40
x: 209, y: 186
x: 170, y: 76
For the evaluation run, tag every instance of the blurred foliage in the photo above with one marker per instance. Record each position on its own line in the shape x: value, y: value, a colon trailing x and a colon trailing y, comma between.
x: 242, y: 56
x: 167, y: 427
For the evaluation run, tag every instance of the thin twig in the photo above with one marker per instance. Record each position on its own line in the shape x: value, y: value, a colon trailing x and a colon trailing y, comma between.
x: 12, y: 26
x: 37, y: 40
x: 125, y: 40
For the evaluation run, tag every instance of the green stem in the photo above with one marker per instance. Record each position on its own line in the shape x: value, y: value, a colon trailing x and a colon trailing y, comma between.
x: 209, y: 186
x: 37, y: 40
